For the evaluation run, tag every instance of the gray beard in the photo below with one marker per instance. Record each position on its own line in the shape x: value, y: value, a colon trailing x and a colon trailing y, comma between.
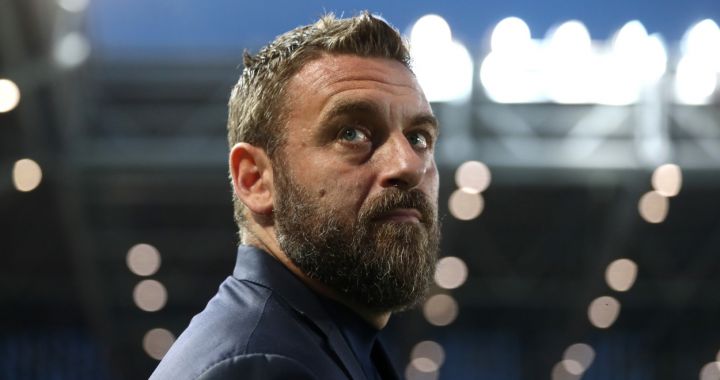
x: 384, y: 266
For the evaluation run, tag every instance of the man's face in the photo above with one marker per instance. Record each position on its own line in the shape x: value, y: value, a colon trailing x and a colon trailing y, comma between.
x: 356, y: 182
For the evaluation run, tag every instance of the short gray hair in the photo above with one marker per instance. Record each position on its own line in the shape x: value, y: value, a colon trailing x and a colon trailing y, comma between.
x: 256, y: 110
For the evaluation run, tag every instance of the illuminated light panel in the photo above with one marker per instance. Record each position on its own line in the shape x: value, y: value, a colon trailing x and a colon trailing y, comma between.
x: 443, y: 67
x: 72, y: 50
x: 509, y: 73
x: 603, y: 311
x: 625, y: 66
x: 514, y: 75
x: 570, y: 65
x: 620, y: 275
x: 440, y: 310
x: 699, y: 38
x: 710, y: 371
x: 451, y: 272
x: 157, y: 342
x: 510, y: 34
x: 695, y: 80
x: 560, y: 372
x: 630, y: 40
x: 667, y: 180
x: 150, y: 295
x: 655, y: 58
x: 473, y: 176
x: 9, y: 95
x: 464, y: 205
x: 578, y: 358
x: 653, y: 207
x: 571, y: 35
x: 635, y: 61
x: 74, y: 6
x: 431, y: 30
x: 413, y: 373
x: 26, y: 175
x: 143, y: 259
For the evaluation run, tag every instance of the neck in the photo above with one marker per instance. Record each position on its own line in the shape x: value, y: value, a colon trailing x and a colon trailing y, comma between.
x: 264, y: 238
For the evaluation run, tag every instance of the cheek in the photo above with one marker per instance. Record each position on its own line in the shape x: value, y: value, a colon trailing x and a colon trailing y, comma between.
x: 346, y: 196
x: 432, y: 180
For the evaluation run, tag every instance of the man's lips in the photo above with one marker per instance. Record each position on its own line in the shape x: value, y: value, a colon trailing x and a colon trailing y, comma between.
x: 401, y: 215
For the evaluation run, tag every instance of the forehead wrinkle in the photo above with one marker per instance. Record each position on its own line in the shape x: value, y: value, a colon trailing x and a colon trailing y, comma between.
x: 329, y: 77
x: 326, y: 72
x: 350, y: 106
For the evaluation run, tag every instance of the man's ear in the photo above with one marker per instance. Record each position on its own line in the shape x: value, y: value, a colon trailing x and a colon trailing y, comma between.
x: 252, y: 177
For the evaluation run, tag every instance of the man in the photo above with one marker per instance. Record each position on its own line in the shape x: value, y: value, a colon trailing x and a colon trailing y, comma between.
x: 335, y: 191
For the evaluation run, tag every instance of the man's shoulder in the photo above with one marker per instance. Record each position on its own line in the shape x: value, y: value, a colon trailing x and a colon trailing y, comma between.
x: 224, y: 336
x: 258, y: 366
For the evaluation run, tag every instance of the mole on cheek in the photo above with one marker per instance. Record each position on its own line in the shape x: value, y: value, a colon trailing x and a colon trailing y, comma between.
x: 321, y: 193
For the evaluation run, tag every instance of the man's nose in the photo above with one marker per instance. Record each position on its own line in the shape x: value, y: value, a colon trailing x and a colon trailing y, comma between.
x: 402, y: 165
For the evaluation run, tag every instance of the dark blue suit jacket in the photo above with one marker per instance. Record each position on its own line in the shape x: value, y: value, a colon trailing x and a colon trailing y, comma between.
x: 264, y: 323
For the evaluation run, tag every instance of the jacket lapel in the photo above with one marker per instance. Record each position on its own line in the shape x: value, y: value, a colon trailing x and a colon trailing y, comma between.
x: 340, y: 346
x: 259, y: 266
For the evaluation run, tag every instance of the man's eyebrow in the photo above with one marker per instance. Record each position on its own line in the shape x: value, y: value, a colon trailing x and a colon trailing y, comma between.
x: 345, y: 107
x: 426, y: 119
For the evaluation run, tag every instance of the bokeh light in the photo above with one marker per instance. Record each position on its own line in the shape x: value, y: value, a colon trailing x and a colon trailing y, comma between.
x: 656, y: 58
x: 698, y: 40
x: 429, y: 350
x: 578, y: 358
x: 667, y: 180
x: 413, y: 373
x: 625, y: 66
x: 150, y: 295
x: 74, y: 6
x: 143, y: 259
x: 634, y: 61
x: 451, y: 272
x: 465, y: 205
x: 603, y: 311
x: 157, y: 342
x: 442, y: 66
x: 510, y: 34
x: 710, y: 371
x: 560, y: 372
x: 511, y: 73
x: 473, y: 176
x: 440, y: 310
x: 695, y: 80
x: 26, y: 175
x: 430, y: 29
x: 570, y: 64
x: 9, y: 95
x: 653, y: 207
x: 644, y: 57
x: 620, y: 275
x: 72, y: 50
x: 424, y: 364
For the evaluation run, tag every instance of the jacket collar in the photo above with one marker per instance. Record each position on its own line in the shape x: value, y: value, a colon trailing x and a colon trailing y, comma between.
x: 258, y: 266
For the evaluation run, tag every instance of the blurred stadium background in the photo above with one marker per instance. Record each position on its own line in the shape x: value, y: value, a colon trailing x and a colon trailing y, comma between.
x: 580, y: 190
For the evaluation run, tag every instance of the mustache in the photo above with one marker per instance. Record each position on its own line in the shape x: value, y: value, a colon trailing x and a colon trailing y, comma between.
x: 393, y: 199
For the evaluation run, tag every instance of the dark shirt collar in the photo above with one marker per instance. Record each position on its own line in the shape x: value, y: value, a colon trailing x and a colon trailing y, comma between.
x: 258, y: 266
x: 360, y: 335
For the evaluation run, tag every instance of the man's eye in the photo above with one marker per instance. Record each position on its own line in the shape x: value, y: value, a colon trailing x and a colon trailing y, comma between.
x: 418, y: 140
x: 353, y: 135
